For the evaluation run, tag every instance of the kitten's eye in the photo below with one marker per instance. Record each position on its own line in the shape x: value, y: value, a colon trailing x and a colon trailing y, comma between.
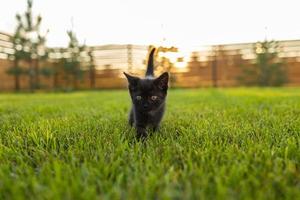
x: 153, y: 98
x: 138, y: 98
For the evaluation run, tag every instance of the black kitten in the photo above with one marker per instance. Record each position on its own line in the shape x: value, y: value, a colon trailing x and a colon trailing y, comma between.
x: 148, y: 99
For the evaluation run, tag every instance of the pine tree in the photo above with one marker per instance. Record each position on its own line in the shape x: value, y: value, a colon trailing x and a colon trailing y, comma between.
x: 29, y: 46
x: 20, y: 52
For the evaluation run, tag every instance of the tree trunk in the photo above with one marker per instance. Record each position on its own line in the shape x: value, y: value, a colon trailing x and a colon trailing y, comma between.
x: 31, y: 76
x: 214, y: 72
x: 17, y: 75
x: 36, y: 74
x: 75, y: 82
x: 92, y: 77
x: 55, y: 80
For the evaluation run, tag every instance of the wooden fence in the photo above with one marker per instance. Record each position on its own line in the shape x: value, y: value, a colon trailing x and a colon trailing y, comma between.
x: 207, y: 66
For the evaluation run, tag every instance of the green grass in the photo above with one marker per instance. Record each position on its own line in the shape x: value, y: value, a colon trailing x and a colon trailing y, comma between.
x: 213, y: 144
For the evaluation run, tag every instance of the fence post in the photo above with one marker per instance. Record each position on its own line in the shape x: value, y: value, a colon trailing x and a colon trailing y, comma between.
x: 129, y: 57
x: 214, y: 67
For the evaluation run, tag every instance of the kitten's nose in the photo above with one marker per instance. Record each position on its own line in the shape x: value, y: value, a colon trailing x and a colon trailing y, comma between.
x: 145, y: 105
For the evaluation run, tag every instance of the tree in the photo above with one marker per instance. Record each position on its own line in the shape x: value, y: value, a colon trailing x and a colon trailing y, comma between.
x: 29, y: 46
x: 19, y: 54
x: 92, y: 70
x: 19, y: 41
x: 72, y: 62
x: 268, y: 69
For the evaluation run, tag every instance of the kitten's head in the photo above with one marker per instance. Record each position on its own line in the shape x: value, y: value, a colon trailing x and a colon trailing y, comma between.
x: 149, y: 93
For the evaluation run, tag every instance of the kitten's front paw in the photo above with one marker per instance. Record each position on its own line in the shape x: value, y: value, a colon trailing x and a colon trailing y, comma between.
x: 155, y: 128
x: 141, y: 133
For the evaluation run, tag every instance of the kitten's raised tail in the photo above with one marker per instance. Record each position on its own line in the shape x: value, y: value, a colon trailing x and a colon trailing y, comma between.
x: 150, y: 65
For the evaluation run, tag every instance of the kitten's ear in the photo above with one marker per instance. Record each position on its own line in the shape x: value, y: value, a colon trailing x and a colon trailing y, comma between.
x: 162, y: 81
x: 132, y: 80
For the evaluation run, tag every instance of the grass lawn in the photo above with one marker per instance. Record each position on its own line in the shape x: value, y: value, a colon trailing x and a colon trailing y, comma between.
x: 213, y: 144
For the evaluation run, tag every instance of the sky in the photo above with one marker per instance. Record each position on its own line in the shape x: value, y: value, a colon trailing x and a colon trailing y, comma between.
x: 183, y: 23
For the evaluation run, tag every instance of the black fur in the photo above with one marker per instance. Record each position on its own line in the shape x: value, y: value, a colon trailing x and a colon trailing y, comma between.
x: 148, y: 97
x: 150, y: 66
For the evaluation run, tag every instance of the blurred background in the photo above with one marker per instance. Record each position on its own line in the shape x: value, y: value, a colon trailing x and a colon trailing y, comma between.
x: 69, y: 45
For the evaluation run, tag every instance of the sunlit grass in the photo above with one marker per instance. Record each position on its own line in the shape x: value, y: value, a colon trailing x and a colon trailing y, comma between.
x: 213, y: 144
